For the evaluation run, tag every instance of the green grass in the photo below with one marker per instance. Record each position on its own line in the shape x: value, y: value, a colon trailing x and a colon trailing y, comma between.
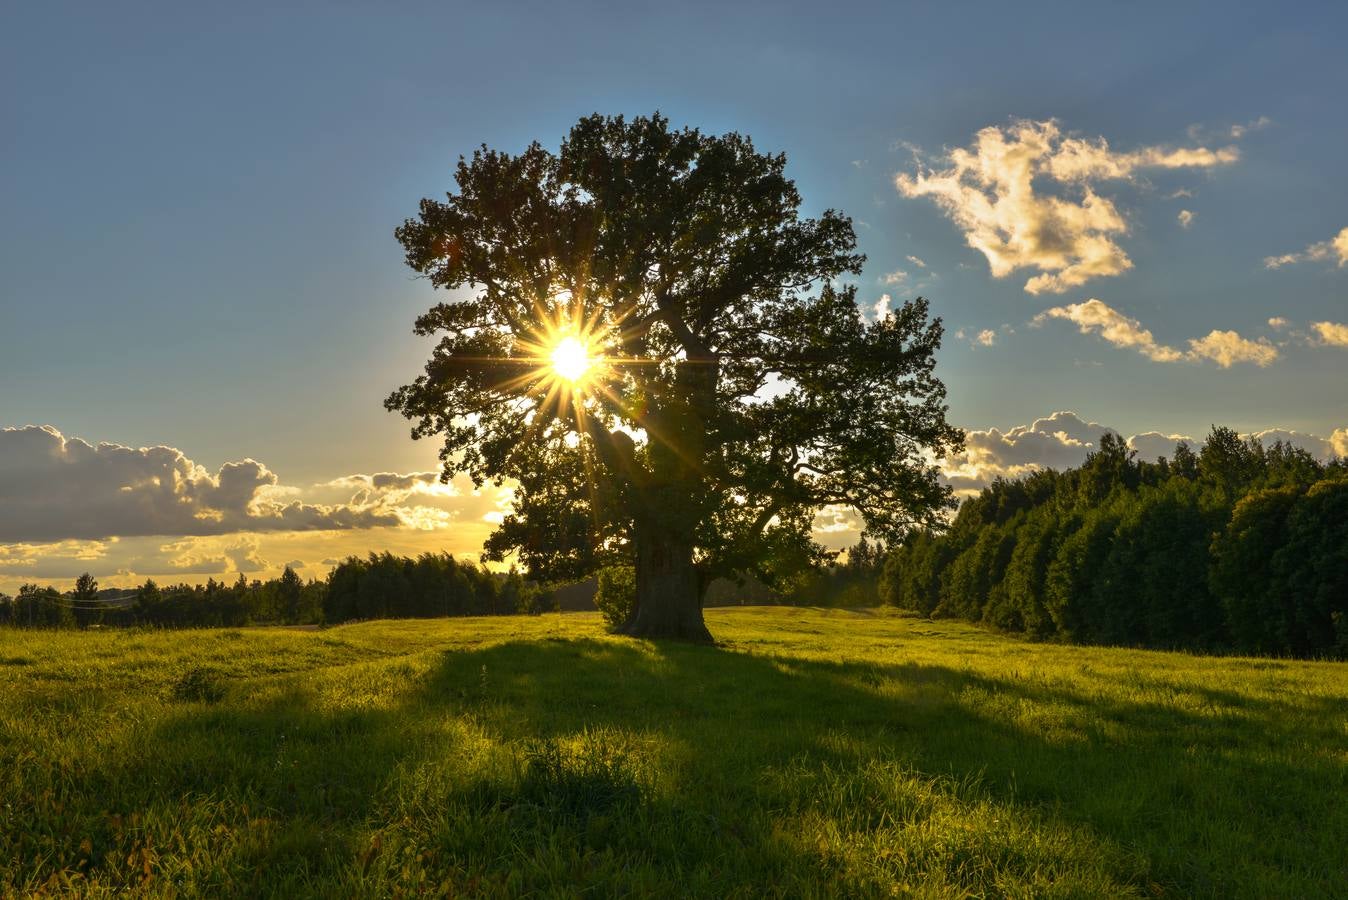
x: 812, y: 753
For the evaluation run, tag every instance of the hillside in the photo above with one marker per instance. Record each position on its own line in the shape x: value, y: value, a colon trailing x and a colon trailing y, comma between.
x: 812, y: 752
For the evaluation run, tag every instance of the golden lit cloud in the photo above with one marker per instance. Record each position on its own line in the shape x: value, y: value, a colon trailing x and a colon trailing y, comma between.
x: 1339, y: 442
x: 54, y: 488
x: 1225, y: 348
x: 1331, y: 334
x: 1333, y: 250
x: 1096, y: 317
x: 995, y: 193
x: 67, y: 506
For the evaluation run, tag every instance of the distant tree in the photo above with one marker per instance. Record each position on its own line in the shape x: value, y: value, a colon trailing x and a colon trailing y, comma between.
x: 676, y: 264
x: 1020, y: 604
x: 86, y: 589
x: 150, y: 601
x: 1185, y: 462
x: 968, y: 581
x: 1110, y: 466
x: 41, y: 607
x: 519, y: 595
x: 1311, y: 571
x: 1227, y: 462
x: 1287, y: 466
x: 1152, y: 588
x: 1071, y: 580
x: 86, y: 600
x: 911, y: 578
x: 288, y: 592
x: 1258, y: 613
x: 615, y: 594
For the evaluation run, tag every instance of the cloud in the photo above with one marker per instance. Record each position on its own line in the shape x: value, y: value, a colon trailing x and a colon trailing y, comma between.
x: 53, y: 488
x: 392, y: 480
x: 994, y: 192
x: 917, y: 262
x: 1222, y: 347
x: 1057, y: 441
x: 1186, y: 218
x: 1322, y: 448
x: 985, y: 338
x: 1097, y: 317
x: 1152, y: 445
x: 1331, y: 334
x: 1277, y: 323
x: 898, y: 276
x: 1239, y: 131
x: 1338, y: 441
x: 68, y: 506
x: 1226, y: 348
x: 1335, y: 249
x: 1063, y: 439
x: 202, y: 556
x: 880, y: 308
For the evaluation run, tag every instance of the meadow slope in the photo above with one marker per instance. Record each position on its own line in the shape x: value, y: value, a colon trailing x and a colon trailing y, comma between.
x: 811, y: 753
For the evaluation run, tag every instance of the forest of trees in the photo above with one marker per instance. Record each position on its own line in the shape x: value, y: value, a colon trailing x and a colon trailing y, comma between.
x: 378, y: 586
x: 1235, y: 547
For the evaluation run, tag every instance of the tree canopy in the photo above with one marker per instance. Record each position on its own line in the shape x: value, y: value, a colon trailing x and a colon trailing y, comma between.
x: 720, y: 386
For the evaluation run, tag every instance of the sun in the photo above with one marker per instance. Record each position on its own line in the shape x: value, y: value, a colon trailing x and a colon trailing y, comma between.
x: 571, y: 359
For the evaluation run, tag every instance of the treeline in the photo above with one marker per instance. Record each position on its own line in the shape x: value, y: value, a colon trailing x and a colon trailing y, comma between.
x: 386, y: 586
x: 378, y: 586
x: 1235, y: 547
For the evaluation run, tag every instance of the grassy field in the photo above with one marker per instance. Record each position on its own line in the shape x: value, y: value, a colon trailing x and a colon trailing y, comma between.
x: 812, y: 753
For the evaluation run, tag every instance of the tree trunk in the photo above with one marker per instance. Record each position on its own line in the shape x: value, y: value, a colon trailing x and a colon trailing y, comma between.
x: 672, y: 502
x: 669, y: 594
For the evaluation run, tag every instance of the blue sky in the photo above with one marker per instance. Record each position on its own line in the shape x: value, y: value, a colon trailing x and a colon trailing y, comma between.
x: 196, y: 248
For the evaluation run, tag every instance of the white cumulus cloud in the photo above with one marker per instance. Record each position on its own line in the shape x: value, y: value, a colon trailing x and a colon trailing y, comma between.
x: 994, y: 191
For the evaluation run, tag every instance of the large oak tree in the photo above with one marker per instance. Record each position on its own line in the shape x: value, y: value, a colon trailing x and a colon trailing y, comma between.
x: 650, y: 341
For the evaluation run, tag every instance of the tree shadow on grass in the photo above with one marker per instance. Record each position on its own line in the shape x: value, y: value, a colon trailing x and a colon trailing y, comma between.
x: 680, y: 770
x: 1221, y: 798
